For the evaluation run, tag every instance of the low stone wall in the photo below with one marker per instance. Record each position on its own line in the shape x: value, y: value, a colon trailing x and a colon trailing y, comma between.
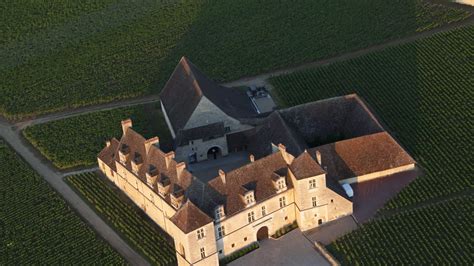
x: 371, y: 176
x: 321, y: 249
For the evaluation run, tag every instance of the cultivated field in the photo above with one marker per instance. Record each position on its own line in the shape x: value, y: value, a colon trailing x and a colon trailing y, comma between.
x: 127, y: 219
x: 76, y: 141
x: 74, y: 53
x: 436, y: 235
x: 36, y: 225
x: 421, y: 91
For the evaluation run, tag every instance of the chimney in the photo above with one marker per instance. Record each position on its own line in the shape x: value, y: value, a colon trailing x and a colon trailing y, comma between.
x: 180, y: 168
x: 252, y: 158
x: 281, y: 147
x: 149, y: 142
x: 286, y: 156
x: 107, y: 143
x: 318, y: 157
x: 126, y: 124
x: 222, y: 175
x: 168, y: 158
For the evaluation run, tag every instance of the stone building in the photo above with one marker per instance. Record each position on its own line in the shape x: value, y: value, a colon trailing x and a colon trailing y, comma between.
x: 297, y: 160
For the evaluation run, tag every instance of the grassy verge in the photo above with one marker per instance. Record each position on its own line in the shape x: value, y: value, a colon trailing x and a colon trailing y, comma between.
x: 285, y: 229
x: 68, y: 54
x: 76, y: 141
x: 36, y: 224
x: 131, y: 222
x: 239, y: 253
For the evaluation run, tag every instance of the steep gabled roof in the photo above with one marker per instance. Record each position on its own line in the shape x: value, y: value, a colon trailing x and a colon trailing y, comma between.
x: 257, y: 176
x: 107, y: 153
x: 185, y: 88
x: 275, y: 130
x: 305, y: 166
x: 189, y: 218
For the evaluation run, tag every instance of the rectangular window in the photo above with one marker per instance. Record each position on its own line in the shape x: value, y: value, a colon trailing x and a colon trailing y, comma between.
x: 282, y: 202
x: 314, y: 201
x: 220, y: 231
x: 264, y: 211
x: 281, y: 184
x: 200, y: 233
x: 249, y: 198
x: 312, y: 183
x: 203, y: 253
x: 251, y: 217
x: 219, y: 213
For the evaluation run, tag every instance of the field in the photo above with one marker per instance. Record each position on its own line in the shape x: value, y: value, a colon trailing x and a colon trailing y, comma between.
x: 434, y: 235
x: 76, y: 141
x: 127, y: 219
x: 421, y: 91
x: 37, y: 227
x: 65, y: 54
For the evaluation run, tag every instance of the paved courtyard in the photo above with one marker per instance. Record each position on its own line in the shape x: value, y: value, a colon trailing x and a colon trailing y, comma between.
x: 207, y: 170
x: 291, y: 249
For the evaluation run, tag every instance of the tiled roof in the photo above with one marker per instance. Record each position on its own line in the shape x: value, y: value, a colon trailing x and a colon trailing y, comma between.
x: 211, y: 130
x: 257, y: 174
x: 305, y: 166
x: 275, y: 130
x: 189, y: 218
x: 107, y: 153
x: 362, y: 155
x: 156, y: 158
x: 329, y: 120
x: 185, y: 88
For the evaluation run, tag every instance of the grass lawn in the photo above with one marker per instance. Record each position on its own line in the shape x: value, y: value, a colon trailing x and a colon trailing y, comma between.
x: 131, y: 222
x: 66, y: 53
x: 36, y: 225
x: 76, y: 141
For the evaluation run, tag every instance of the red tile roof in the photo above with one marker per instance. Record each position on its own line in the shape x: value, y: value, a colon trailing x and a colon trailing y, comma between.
x: 362, y: 155
x: 305, y: 166
x: 256, y: 174
x: 189, y: 218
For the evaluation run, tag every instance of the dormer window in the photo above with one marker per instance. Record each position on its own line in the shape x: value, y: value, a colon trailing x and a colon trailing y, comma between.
x: 123, y: 153
x: 281, y: 184
x: 151, y: 175
x: 249, y: 199
x: 219, y: 212
x: 136, y: 162
x: 279, y: 181
x: 177, y: 196
x: 163, y: 185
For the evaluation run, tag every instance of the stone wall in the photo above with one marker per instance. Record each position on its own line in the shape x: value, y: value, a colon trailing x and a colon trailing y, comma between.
x: 201, y: 148
x: 375, y: 175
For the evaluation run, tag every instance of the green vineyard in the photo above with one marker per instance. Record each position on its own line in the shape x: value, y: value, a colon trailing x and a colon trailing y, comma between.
x: 65, y: 54
x: 126, y: 218
x: 37, y: 227
x: 440, y: 234
x: 76, y: 141
x: 421, y: 91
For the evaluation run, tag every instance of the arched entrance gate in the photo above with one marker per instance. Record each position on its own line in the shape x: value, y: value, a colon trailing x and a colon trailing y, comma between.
x: 262, y: 233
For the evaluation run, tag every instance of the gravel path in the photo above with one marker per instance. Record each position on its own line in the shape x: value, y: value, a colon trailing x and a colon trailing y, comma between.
x: 54, y: 178
x: 10, y: 133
